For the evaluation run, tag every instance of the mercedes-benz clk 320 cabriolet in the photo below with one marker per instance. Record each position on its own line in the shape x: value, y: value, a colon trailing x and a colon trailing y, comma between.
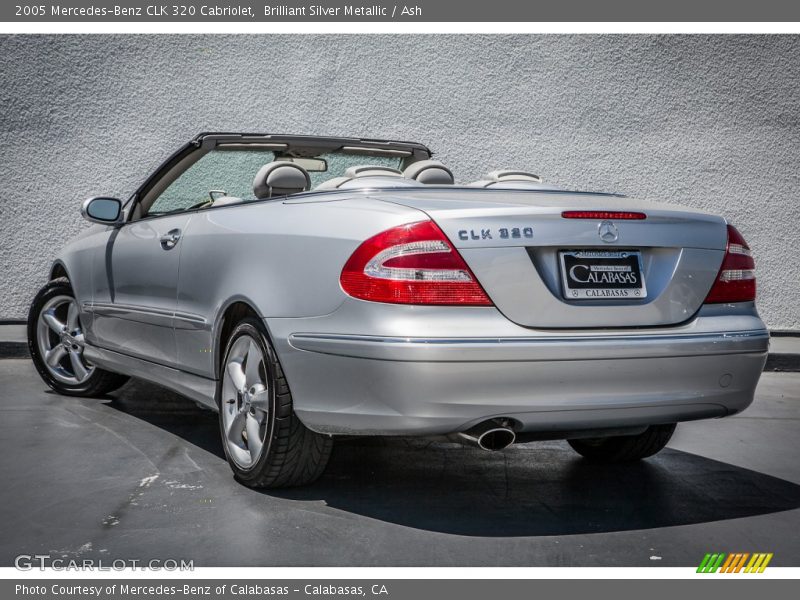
x: 311, y: 287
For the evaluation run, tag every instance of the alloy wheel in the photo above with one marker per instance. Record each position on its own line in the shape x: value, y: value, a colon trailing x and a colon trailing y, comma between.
x: 245, y: 402
x: 61, y: 341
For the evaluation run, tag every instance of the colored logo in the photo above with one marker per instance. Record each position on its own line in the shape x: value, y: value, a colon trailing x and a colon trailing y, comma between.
x: 740, y: 562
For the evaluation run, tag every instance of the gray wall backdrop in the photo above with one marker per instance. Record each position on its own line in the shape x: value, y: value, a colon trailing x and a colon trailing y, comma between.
x: 711, y: 122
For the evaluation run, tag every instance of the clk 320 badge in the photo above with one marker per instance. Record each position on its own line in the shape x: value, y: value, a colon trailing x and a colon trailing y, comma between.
x: 503, y: 233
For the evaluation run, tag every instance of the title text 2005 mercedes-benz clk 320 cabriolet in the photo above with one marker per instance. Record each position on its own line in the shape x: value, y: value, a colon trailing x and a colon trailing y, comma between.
x: 352, y: 288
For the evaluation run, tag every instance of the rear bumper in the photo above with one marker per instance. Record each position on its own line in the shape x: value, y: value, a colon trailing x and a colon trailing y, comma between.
x: 423, y: 385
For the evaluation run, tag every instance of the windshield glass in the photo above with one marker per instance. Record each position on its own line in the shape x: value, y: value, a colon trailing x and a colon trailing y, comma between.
x: 230, y: 172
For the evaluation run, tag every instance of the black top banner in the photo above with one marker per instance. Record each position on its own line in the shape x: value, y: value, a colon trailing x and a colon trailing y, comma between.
x: 416, y: 11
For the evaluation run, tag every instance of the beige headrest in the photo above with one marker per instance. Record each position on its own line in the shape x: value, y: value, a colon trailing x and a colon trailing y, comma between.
x: 280, y: 178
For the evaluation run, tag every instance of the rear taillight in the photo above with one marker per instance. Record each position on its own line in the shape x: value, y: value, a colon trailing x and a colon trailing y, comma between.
x: 411, y: 264
x: 736, y: 281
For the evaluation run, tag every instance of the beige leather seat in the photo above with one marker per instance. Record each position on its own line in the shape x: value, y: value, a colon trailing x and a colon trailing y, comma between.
x: 367, y: 176
x: 512, y: 179
x: 372, y: 171
x: 504, y: 176
x: 280, y: 178
x: 429, y: 172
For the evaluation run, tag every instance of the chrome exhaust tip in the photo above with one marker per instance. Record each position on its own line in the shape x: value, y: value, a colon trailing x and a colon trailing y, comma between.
x: 489, y: 435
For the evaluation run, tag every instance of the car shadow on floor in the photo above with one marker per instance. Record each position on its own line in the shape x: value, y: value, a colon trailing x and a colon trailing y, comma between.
x: 537, y: 489
x: 171, y: 412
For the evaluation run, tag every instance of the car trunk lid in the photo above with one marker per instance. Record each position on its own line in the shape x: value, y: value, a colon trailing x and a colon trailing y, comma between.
x: 520, y: 248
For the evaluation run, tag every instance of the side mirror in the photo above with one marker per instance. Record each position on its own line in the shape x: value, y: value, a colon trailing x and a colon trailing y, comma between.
x: 106, y: 211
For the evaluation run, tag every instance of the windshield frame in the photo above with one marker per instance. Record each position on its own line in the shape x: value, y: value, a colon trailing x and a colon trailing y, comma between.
x: 285, y: 145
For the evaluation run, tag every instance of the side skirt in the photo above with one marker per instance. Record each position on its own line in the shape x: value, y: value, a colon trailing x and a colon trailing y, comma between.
x: 197, y: 388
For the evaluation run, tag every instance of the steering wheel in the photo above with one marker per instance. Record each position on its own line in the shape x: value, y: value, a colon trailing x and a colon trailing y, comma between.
x: 201, y: 204
x: 205, y: 203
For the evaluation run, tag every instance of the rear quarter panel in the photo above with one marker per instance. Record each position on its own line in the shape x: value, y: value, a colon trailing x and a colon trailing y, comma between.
x: 283, y: 258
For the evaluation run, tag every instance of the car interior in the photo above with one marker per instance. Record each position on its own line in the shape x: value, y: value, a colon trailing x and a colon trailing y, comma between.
x: 281, y: 178
x: 218, y: 176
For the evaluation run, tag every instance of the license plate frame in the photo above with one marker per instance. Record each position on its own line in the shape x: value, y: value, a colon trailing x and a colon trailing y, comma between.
x: 602, y: 275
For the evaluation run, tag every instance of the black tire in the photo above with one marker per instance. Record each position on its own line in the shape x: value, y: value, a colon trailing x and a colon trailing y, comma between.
x: 625, y: 448
x: 292, y: 454
x: 99, y: 383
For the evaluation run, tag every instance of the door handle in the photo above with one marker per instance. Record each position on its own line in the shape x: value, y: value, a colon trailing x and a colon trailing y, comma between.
x: 170, y: 239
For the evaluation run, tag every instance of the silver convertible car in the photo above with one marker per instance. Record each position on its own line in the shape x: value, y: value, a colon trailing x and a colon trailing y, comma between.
x: 312, y: 287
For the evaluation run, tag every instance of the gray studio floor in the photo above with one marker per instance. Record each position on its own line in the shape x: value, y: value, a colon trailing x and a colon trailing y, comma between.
x: 141, y: 475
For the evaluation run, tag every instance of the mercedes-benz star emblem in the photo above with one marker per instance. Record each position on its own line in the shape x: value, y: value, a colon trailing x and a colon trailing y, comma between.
x: 608, y: 232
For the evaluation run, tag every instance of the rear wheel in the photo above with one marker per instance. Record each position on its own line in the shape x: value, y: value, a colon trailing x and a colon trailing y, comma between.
x: 56, y: 343
x: 625, y: 448
x: 266, y: 444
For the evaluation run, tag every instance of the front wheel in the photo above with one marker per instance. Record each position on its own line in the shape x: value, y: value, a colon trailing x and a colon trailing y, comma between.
x: 56, y: 343
x: 625, y: 448
x: 266, y: 444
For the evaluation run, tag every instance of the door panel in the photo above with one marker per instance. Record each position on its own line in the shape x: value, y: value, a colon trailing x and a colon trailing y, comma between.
x: 134, y: 307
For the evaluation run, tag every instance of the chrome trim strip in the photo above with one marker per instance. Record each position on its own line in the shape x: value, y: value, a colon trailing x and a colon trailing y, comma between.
x: 753, y: 334
x: 147, y: 314
x: 111, y: 309
x: 555, y: 348
x: 185, y: 320
x: 138, y: 314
